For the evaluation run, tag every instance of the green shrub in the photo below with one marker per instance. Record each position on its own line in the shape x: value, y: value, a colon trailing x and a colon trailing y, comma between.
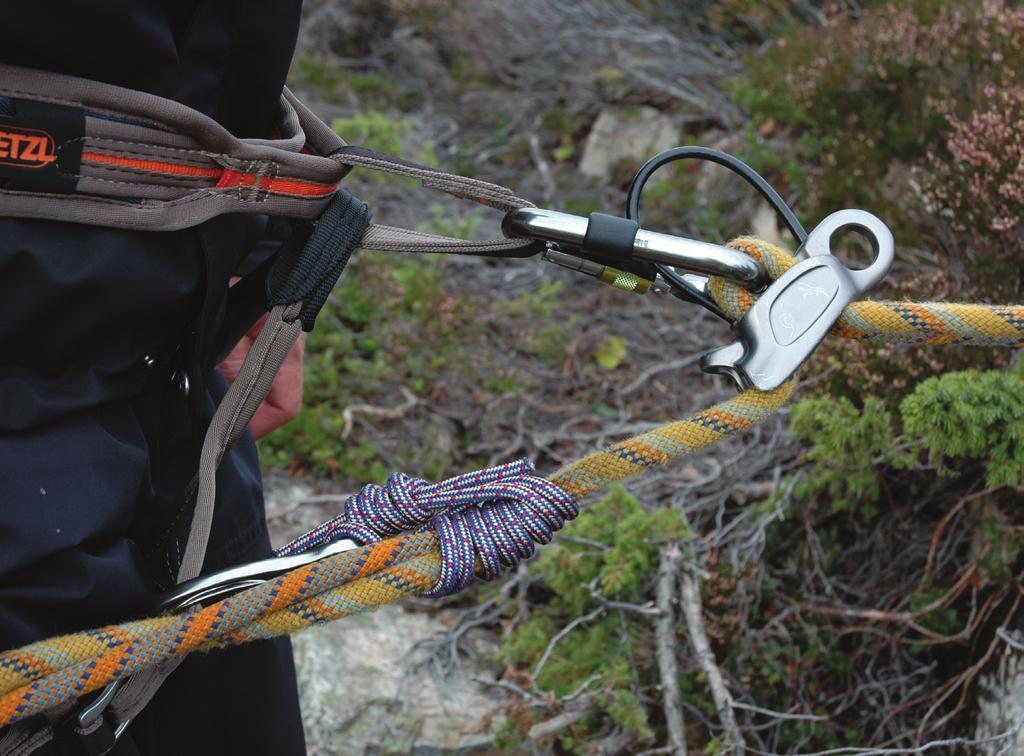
x: 752, y: 20
x: 611, y: 647
x: 373, y: 130
x: 974, y: 416
x: 958, y: 419
x: 848, y: 447
x: 338, y: 84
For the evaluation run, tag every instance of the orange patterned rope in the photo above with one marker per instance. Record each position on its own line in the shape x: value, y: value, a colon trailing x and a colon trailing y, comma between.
x: 45, y: 674
x: 892, y: 322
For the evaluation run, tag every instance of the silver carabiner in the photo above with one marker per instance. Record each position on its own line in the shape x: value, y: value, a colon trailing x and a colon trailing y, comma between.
x: 792, y: 316
x: 601, y: 244
x: 205, y: 588
x: 233, y: 579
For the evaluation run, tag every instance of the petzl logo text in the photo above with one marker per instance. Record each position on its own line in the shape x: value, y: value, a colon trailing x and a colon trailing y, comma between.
x: 26, y: 148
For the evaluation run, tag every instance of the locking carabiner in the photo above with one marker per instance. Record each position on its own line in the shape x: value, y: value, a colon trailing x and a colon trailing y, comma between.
x: 610, y: 241
x: 233, y: 579
x: 789, y: 319
x: 618, y: 252
x: 216, y: 585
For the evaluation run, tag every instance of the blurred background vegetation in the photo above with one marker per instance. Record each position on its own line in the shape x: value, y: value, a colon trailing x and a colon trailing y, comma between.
x: 854, y: 561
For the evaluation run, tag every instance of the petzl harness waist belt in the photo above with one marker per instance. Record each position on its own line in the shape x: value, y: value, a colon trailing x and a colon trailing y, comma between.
x: 83, y: 151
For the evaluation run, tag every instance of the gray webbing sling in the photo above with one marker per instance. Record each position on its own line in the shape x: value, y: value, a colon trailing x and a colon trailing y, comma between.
x: 80, y: 151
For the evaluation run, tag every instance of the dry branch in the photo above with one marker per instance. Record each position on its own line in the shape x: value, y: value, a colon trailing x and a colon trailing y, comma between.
x: 388, y: 413
x: 556, y: 724
x: 665, y: 644
x: 694, y: 613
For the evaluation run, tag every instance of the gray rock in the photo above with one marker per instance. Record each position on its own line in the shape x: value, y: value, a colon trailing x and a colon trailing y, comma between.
x: 1000, y: 697
x: 764, y: 223
x: 364, y: 692
x: 629, y: 135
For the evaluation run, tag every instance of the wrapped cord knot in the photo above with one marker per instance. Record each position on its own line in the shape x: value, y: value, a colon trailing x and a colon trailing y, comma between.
x: 495, y: 516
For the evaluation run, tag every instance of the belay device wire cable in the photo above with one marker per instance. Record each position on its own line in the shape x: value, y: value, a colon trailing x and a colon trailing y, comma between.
x: 92, y: 153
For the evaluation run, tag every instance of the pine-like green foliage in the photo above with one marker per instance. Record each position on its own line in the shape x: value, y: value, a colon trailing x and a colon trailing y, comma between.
x: 958, y: 419
x: 616, y: 553
x: 848, y: 444
x: 974, y: 415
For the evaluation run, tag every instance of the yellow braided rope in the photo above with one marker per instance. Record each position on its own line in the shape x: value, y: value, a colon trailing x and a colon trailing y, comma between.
x: 659, y: 446
x: 46, y: 673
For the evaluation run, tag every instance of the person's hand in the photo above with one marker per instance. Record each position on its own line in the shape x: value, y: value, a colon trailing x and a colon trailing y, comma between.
x: 285, y: 398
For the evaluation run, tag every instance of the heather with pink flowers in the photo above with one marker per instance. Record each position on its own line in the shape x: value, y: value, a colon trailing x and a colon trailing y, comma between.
x: 870, y: 92
x: 979, y: 189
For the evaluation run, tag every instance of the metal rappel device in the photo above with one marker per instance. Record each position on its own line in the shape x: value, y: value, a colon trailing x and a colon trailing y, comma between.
x: 791, y: 315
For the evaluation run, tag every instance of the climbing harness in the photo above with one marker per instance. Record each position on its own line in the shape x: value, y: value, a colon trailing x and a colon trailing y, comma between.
x: 76, y: 150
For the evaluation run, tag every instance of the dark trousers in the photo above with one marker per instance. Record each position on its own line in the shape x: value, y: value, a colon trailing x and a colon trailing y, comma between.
x: 96, y: 446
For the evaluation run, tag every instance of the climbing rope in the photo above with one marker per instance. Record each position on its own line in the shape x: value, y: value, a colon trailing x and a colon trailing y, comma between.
x: 485, y: 518
x: 937, y: 323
